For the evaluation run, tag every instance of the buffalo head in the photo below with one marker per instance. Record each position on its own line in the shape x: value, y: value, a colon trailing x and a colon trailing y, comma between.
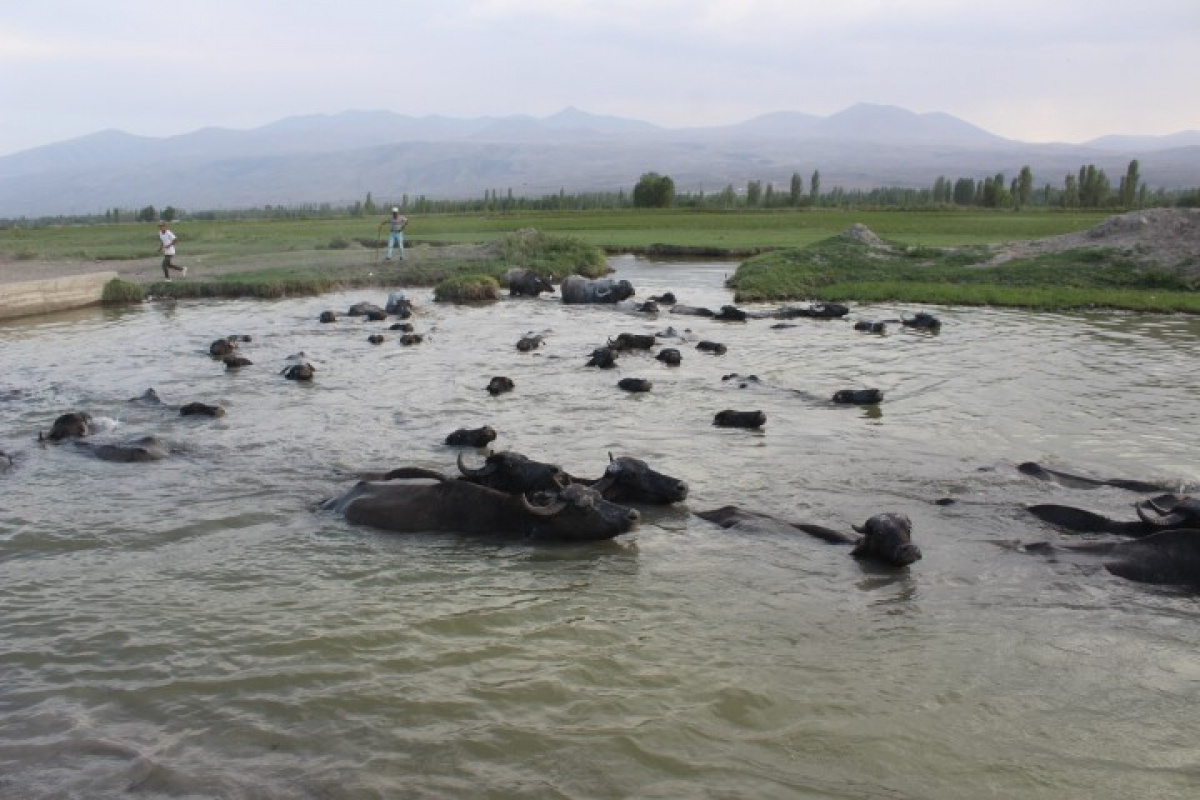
x: 887, y: 538
x: 631, y: 480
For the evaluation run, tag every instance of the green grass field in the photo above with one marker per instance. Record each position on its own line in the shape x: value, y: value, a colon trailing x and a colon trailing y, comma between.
x: 735, y: 232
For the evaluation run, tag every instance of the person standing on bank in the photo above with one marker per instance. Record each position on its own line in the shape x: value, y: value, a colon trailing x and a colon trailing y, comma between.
x: 396, y: 226
x: 167, y: 247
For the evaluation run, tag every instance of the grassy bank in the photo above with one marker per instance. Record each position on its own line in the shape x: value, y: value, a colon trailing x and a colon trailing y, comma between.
x: 843, y: 268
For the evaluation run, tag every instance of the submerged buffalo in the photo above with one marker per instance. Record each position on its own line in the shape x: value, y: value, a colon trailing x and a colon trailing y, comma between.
x: 1169, y: 557
x: 634, y: 384
x: 472, y: 437
x: 886, y: 538
x: 922, y: 321
x: 499, y: 385
x: 142, y: 449
x: 72, y: 425
x: 730, y: 314
x: 1036, y: 470
x: 632, y: 341
x: 631, y: 480
x: 730, y: 418
x: 813, y: 311
x: 860, y: 397
x: 669, y: 356
x: 327, y: 317
x: 603, y: 358
x: 1165, y: 512
x: 716, y: 348
x: 413, y: 500
x: 299, y: 372
x: 201, y: 410
x: 529, y: 342
x: 576, y: 289
x: 514, y: 473
x: 522, y: 281
x: 870, y: 326
x: 398, y: 305
x: 369, y: 310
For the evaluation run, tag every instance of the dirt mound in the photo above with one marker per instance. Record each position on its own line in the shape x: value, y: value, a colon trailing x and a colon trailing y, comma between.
x: 1165, y: 238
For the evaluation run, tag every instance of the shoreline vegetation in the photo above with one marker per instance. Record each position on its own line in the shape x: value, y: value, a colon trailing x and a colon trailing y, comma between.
x: 951, y: 258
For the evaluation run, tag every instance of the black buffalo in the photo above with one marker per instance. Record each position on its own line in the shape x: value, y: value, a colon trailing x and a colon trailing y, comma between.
x: 72, y: 425
x: 870, y: 326
x: 327, y: 316
x: 299, y: 372
x: 648, y: 307
x: 1168, y: 557
x: 499, y: 385
x: 716, y: 348
x: 413, y: 500
x: 885, y: 537
x: 403, y: 327
x: 472, y: 437
x: 1165, y: 512
x: 603, y: 357
x: 375, y: 338
x: 670, y: 356
x: 529, y: 342
x: 368, y: 310
x: 634, y: 384
x: 236, y: 362
x: 922, y: 321
x: 221, y: 348
x: 410, y: 339
x: 631, y: 480
x: 398, y: 305
x: 730, y: 314
x: 514, y: 473
x: 666, y: 298
x: 576, y: 289
x: 1036, y: 470
x: 522, y: 281
x: 632, y: 341
x: 813, y: 311
x: 201, y: 410
x: 142, y: 449
x: 693, y: 311
x: 739, y: 419
x: 861, y: 397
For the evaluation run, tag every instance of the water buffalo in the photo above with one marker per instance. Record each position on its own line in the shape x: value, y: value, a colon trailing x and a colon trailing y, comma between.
x: 522, y: 281
x: 1165, y: 512
x: 885, y: 537
x: 299, y: 372
x: 632, y: 341
x: 666, y: 298
x: 72, y: 425
x: 399, y: 305
x: 514, y: 473
x: 221, y: 348
x: 631, y: 480
x: 634, y: 384
x: 693, y: 311
x: 861, y: 397
x: 472, y: 437
x: 201, y: 410
x: 327, y: 316
x: 716, y: 348
x: 669, y: 356
x: 142, y: 449
x: 922, y: 321
x: 576, y: 289
x: 529, y: 342
x: 375, y: 338
x: 413, y: 500
x: 813, y: 311
x: 648, y: 307
x: 236, y: 362
x: 870, y: 326
x: 743, y: 381
x: 499, y: 385
x: 603, y: 357
x: 1036, y: 470
x: 369, y: 310
x: 410, y: 339
x: 1168, y: 557
x: 739, y: 419
x: 403, y: 327
x: 730, y: 314
x: 147, y: 398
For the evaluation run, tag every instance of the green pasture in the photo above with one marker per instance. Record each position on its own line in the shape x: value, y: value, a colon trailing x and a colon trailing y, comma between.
x: 735, y: 233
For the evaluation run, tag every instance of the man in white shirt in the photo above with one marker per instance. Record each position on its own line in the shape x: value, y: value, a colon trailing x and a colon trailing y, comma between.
x: 167, y: 248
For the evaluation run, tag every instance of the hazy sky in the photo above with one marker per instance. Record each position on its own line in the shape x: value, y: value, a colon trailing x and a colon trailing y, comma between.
x: 1035, y: 70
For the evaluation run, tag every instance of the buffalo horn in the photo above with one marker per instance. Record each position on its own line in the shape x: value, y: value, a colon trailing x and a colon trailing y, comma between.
x: 1165, y: 521
x: 547, y: 510
x: 481, y: 472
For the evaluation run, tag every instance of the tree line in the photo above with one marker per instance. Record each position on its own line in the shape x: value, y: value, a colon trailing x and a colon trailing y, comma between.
x: 1088, y: 188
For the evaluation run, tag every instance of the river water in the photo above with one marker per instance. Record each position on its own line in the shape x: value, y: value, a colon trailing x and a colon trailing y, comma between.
x: 196, y: 627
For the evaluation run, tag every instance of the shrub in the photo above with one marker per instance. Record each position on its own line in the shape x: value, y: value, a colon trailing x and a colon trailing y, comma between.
x: 467, y: 289
x: 121, y: 293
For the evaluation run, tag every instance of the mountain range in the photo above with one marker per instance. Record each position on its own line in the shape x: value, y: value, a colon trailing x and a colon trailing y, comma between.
x: 339, y: 158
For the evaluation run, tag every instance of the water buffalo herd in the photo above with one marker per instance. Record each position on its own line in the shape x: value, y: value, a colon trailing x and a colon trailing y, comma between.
x: 509, y: 494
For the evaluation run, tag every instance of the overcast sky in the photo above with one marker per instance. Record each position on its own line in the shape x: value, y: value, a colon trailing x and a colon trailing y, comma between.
x: 1035, y: 70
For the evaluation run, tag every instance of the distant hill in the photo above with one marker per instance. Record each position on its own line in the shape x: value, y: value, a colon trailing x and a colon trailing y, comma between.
x: 339, y: 158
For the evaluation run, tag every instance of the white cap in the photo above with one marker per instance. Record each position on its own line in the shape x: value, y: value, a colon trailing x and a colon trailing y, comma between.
x: 395, y: 210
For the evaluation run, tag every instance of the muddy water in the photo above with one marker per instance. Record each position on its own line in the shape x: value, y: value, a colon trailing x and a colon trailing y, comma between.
x: 195, y: 628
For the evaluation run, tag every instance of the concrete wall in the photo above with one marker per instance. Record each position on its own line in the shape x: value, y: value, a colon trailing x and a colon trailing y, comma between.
x: 28, y: 298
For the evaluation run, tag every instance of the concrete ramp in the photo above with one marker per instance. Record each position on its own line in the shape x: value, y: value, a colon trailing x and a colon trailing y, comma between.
x: 29, y: 298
